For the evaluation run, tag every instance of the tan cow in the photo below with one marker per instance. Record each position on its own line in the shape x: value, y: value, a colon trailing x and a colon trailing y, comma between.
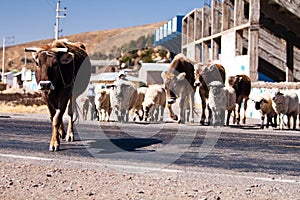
x: 103, y: 105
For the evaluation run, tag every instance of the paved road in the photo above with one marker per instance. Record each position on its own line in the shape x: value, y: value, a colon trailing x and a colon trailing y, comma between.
x: 237, y: 149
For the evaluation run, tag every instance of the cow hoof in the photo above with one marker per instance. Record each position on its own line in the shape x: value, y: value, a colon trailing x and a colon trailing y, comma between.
x: 181, y: 121
x: 175, y: 118
x: 69, y: 139
x: 52, y: 149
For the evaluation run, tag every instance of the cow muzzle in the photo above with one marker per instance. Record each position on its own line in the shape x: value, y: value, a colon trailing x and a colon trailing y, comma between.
x: 171, y: 100
x: 197, y: 83
x: 45, y: 85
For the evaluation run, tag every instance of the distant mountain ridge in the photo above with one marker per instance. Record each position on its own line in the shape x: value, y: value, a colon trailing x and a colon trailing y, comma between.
x: 105, y: 42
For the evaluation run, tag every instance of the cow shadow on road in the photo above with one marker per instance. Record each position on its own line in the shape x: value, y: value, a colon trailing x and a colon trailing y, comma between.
x: 106, y: 146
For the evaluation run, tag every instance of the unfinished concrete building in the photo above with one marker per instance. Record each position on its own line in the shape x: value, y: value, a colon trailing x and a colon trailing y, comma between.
x: 260, y: 38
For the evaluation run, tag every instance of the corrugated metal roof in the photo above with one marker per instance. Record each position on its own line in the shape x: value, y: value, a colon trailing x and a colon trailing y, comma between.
x: 104, y: 62
x: 112, y: 76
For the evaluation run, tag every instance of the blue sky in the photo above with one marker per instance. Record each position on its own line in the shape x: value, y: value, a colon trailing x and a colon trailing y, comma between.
x: 29, y: 20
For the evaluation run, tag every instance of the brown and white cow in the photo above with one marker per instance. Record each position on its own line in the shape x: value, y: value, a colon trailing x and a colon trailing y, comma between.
x: 204, y: 75
x: 242, y: 86
x: 138, y: 105
x: 179, y: 81
x: 60, y: 66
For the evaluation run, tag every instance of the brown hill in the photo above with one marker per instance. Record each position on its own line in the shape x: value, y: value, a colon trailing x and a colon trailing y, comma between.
x: 97, y: 43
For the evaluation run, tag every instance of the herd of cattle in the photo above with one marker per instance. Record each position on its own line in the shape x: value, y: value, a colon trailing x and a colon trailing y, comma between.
x: 181, y: 81
x: 63, y: 73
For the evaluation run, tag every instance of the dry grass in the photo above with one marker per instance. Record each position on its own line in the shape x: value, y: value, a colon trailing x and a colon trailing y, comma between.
x: 7, y: 108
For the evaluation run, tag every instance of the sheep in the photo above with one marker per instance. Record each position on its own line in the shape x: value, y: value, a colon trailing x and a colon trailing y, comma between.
x: 286, y: 104
x: 123, y: 95
x: 264, y: 105
x: 231, y: 101
x: 155, y: 98
x: 217, y: 102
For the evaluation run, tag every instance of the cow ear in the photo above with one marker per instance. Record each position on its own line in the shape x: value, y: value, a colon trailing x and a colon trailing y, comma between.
x: 181, y: 76
x: 66, y: 58
x: 240, y: 78
x: 265, y: 101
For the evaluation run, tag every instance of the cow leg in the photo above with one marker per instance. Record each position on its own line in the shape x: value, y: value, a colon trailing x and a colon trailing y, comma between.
x: 245, y: 109
x: 156, y: 114
x: 262, y: 121
x: 289, y: 121
x: 162, y: 108
x: 228, y: 117
x: 171, y: 112
x: 239, y: 102
x: 141, y: 117
x: 61, y: 130
x: 182, y: 110
x: 209, y: 115
x: 70, y: 131
x: 203, y: 115
x: 281, y: 121
x: 295, y: 121
x: 222, y: 118
x: 55, y: 140
x: 192, y: 105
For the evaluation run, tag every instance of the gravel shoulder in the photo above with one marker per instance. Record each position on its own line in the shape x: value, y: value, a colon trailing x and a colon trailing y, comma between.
x: 60, y: 178
x: 55, y: 176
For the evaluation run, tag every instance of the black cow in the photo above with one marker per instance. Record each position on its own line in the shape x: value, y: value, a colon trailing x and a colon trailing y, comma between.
x: 62, y: 73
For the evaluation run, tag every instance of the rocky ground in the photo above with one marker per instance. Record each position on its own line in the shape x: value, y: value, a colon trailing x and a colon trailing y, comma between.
x: 63, y: 179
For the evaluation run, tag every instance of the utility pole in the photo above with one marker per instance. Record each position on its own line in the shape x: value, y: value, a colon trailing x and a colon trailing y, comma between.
x: 58, y: 16
x: 3, y: 55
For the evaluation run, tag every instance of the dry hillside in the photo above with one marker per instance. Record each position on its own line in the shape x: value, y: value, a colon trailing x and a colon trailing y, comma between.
x: 102, y: 42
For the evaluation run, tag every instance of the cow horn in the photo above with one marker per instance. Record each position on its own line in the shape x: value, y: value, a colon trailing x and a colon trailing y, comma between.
x: 56, y: 49
x: 32, y: 49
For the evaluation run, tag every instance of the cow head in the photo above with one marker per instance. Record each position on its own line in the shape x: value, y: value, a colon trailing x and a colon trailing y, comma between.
x: 234, y: 81
x: 214, y: 72
x: 173, y: 84
x: 50, y: 62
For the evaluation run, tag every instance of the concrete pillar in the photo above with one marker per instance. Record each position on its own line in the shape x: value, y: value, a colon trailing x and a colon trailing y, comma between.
x: 289, y: 62
x: 254, y: 15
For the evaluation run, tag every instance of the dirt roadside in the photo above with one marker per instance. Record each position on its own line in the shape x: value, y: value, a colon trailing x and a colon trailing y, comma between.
x: 64, y: 179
